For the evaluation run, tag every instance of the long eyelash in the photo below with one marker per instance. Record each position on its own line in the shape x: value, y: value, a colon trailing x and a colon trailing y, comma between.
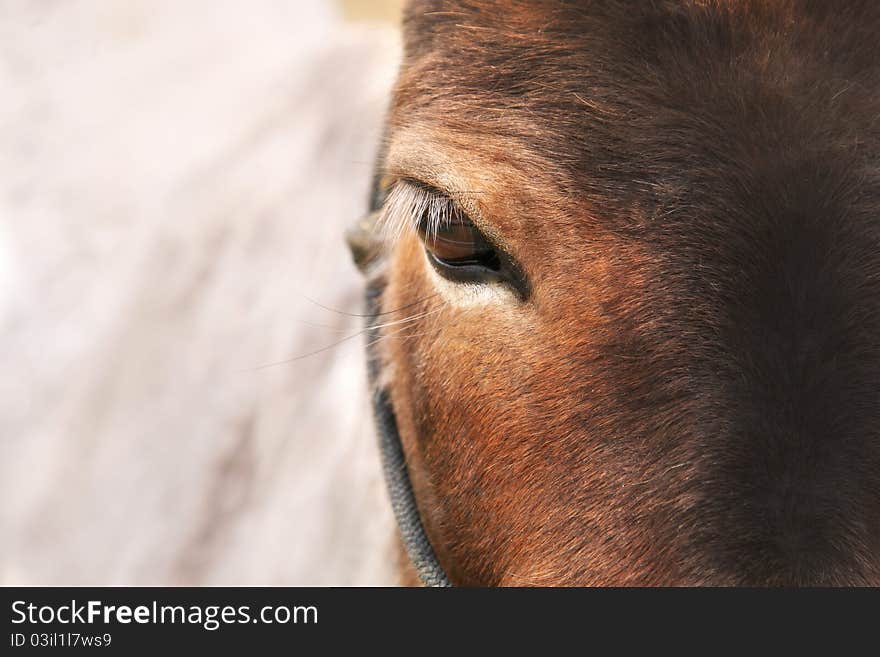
x: 409, y: 202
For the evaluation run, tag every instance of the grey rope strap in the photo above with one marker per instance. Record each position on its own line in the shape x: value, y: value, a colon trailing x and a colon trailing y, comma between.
x: 403, y: 501
x: 362, y: 241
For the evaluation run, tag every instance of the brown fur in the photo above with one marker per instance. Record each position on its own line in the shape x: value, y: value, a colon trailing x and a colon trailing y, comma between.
x: 690, y: 394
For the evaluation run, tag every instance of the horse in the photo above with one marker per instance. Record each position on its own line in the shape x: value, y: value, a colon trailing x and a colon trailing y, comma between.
x: 624, y: 287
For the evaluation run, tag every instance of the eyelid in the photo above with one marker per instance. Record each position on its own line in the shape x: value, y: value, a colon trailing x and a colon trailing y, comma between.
x: 409, y: 200
x: 446, y: 209
x: 460, y: 196
x: 430, y: 190
x: 464, y: 201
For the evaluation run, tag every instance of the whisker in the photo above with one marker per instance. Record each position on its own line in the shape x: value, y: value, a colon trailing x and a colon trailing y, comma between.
x: 387, y: 312
x: 344, y: 340
x: 366, y: 328
x: 396, y: 335
x: 302, y: 356
x: 335, y: 329
x: 406, y: 320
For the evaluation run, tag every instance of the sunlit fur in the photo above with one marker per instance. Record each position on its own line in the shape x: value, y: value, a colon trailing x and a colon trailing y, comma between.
x: 690, y: 394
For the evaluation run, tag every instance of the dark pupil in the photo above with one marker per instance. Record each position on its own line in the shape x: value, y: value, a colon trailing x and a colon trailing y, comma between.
x: 459, y: 244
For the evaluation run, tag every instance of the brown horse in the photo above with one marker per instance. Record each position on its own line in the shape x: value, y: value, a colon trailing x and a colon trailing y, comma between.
x: 628, y: 300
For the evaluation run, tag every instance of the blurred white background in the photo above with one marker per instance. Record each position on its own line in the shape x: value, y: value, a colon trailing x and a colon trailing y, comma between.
x: 175, y: 181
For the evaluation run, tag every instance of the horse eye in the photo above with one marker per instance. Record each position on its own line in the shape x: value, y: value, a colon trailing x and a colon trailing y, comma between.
x: 457, y: 249
x: 454, y: 246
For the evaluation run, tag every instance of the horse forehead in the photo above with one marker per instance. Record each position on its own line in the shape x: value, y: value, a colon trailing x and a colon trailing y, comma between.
x: 644, y: 107
x: 578, y: 17
x: 535, y: 50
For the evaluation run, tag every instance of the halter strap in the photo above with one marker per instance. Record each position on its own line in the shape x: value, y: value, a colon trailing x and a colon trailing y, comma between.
x: 397, y: 480
x: 362, y: 240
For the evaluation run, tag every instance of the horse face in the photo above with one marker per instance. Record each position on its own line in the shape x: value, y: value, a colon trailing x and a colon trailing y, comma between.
x: 631, y: 304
